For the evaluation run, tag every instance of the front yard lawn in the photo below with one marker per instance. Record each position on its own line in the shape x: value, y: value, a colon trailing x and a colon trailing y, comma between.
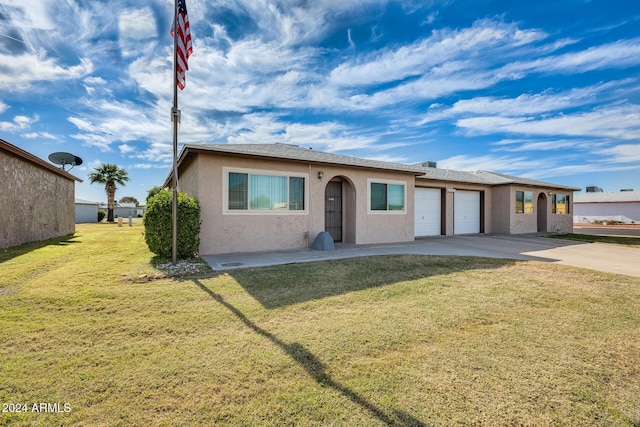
x: 89, y: 327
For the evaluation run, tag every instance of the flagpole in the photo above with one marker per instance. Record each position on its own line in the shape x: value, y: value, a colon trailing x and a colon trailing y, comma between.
x: 175, y: 118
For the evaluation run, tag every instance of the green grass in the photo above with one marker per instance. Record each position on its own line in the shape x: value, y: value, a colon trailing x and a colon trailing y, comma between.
x: 391, y: 340
x: 600, y: 238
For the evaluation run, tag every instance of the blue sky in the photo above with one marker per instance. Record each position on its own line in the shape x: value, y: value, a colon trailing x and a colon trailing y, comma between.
x: 544, y: 89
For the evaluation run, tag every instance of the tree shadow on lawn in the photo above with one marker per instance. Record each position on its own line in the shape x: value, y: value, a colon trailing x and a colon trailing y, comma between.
x: 315, y: 368
x: 16, y: 251
x: 284, y: 285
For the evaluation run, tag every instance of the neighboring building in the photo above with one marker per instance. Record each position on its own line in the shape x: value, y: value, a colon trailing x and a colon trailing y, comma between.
x: 36, y: 198
x: 125, y: 210
x: 622, y: 206
x: 259, y: 197
x: 86, y: 211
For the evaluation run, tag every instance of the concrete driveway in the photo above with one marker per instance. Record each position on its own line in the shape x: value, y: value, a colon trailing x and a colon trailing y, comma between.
x: 602, y: 257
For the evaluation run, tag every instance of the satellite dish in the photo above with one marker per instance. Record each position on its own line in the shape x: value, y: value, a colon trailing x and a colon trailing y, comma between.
x: 64, y: 159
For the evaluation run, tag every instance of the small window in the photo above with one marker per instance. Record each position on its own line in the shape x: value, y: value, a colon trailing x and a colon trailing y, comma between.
x: 519, y: 201
x: 524, y: 202
x: 238, y: 191
x: 528, y: 202
x: 560, y: 204
x: 386, y: 197
x: 296, y: 193
x: 378, y: 197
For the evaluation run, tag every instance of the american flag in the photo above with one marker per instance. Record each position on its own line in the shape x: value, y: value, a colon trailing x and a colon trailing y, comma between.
x: 184, y: 43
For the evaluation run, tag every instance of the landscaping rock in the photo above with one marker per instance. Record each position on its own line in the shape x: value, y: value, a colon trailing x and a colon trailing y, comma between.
x: 323, y: 242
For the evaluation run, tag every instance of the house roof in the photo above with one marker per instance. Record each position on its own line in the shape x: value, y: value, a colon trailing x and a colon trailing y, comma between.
x: 617, y: 197
x: 37, y: 161
x: 85, y: 202
x: 295, y: 153
x: 487, y: 178
x: 288, y: 152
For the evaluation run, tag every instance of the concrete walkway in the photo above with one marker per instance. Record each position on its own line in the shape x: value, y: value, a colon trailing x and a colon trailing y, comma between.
x: 608, y: 258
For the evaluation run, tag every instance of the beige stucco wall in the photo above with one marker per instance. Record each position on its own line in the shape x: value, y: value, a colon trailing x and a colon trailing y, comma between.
x: 560, y: 223
x: 228, y: 232
x: 507, y: 221
x: 502, y: 201
x: 35, y: 204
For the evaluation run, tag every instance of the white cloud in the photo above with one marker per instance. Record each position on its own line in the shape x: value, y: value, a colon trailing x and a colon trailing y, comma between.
x: 159, y: 153
x: 137, y: 32
x: 125, y: 148
x: 505, y: 164
x: 523, y: 166
x: 22, y: 70
x: 618, y: 122
x: 624, y: 153
x: 387, y: 158
x: 441, y: 47
x: 115, y: 121
x: 546, y: 145
x: 18, y: 123
x: 527, y: 104
x: 146, y: 166
x: 299, y: 22
x: 34, y: 14
x: 39, y: 135
x: 329, y: 136
x: 623, y: 53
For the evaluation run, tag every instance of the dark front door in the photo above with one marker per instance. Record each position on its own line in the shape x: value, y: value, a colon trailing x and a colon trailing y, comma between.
x: 333, y: 210
x: 542, y: 213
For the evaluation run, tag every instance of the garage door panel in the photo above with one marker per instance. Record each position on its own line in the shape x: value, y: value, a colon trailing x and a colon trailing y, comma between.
x: 428, y: 212
x: 466, y: 212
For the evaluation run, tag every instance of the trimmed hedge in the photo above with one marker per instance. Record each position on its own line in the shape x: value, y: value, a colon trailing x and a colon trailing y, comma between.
x: 158, y: 225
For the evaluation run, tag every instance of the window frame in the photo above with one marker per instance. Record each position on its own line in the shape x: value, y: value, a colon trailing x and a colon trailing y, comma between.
x: 527, y: 205
x: 386, y: 182
x: 264, y: 172
x: 554, y: 203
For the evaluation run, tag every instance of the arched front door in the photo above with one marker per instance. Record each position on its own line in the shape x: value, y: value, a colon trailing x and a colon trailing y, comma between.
x: 340, y: 209
x: 542, y: 212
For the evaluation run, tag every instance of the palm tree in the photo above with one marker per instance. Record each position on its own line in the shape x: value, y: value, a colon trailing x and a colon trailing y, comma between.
x: 109, y: 175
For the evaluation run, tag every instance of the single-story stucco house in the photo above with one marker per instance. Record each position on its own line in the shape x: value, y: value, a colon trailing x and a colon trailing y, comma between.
x: 621, y: 206
x: 261, y: 197
x: 36, y: 198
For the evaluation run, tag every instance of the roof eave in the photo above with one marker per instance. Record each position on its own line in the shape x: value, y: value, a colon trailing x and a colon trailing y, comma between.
x: 190, y: 150
x: 19, y: 152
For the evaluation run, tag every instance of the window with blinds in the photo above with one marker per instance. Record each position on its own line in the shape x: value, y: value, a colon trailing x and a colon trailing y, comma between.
x: 261, y: 192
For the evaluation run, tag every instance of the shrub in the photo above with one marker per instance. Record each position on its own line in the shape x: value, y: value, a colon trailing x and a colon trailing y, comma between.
x: 101, y: 215
x: 158, y: 227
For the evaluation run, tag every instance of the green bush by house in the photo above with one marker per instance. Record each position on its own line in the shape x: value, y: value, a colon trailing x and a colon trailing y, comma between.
x: 158, y: 225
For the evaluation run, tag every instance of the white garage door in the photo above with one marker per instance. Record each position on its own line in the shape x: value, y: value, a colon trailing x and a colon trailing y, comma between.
x: 466, y: 212
x: 427, y: 212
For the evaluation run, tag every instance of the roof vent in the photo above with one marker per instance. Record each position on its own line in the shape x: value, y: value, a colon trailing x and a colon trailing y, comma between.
x: 627, y: 189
